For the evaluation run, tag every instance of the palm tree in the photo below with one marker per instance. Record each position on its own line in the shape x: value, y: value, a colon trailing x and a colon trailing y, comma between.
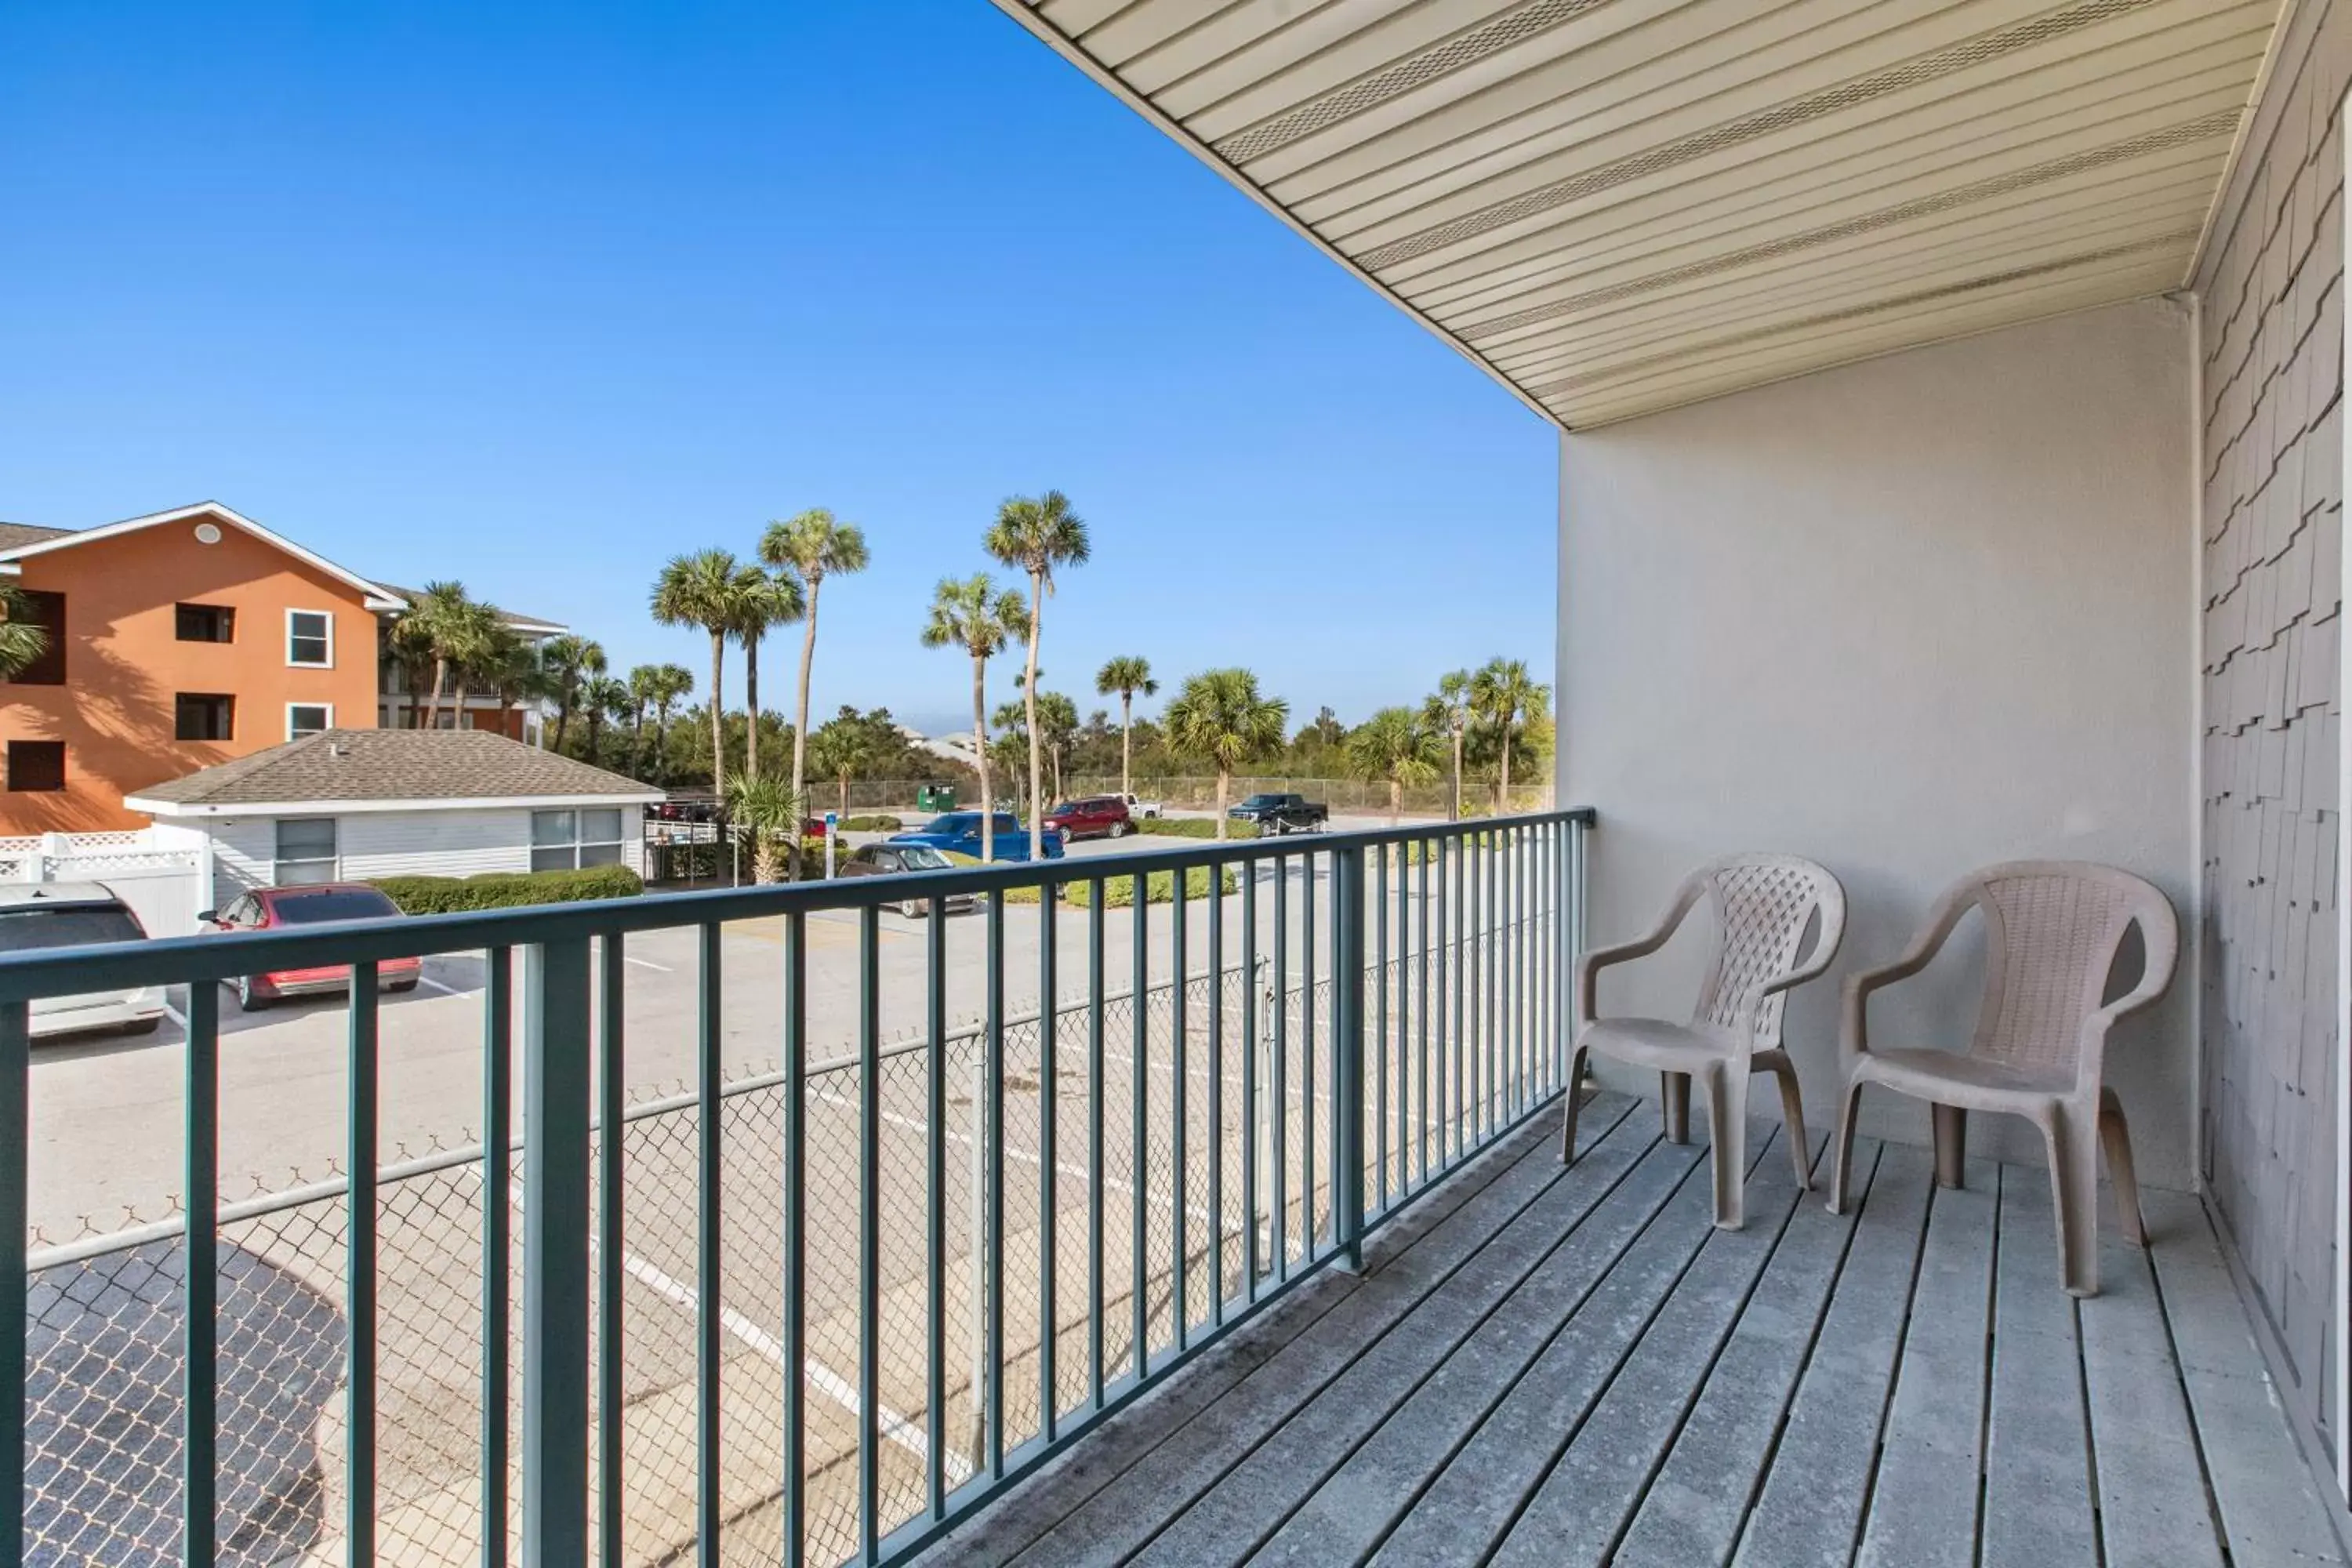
x: 1035, y: 536
x: 815, y: 546
x: 1449, y: 712
x: 601, y: 697
x: 510, y: 670
x: 767, y: 600
x: 1395, y: 745
x: 1126, y: 675
x: 979, y: 617
x: 569, y: 660
x: 840, y: 751
x: 23, y: 639
x: 705, y: 590
x: 448, y: 627
x: 642, y: 678
x: 771, y: 813
x: 1502, y: 693
x: 669, y: 685
x: 1219, y: 718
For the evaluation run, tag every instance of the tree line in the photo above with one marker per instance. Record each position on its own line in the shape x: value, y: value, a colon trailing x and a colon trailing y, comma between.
x: 1479, y: 724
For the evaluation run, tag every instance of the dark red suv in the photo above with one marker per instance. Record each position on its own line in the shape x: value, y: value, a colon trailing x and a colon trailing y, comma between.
x: 1095, y: 816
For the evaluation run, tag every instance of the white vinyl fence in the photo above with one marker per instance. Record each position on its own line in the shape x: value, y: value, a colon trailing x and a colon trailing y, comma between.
x: 164, y: 884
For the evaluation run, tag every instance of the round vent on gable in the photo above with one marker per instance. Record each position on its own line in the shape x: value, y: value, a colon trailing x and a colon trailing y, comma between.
x: 208, y: 533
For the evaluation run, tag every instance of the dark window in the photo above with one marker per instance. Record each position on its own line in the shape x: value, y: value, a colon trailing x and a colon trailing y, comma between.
x: 204, y: 622
x: 205, y: 716
x: 30, y: 926
x: 36, y: 765
x: 310, y: 637
x: 46, y: 611
x: 330, y: 904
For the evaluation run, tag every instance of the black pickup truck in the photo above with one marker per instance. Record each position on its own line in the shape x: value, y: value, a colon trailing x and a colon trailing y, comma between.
x: 1282, y: 814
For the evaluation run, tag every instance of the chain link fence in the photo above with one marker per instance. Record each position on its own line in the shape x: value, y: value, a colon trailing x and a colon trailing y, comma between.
x: 1181, y: 1067
x: 106, y: 1343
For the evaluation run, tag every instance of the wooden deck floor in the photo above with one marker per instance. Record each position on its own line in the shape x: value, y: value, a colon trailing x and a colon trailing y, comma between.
x: 1572, y: 1367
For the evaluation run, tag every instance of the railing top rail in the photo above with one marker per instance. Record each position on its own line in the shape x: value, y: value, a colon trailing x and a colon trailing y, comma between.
x: 178, y: 961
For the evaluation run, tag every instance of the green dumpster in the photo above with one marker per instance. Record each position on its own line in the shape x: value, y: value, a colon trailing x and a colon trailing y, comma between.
x: 935, y: 798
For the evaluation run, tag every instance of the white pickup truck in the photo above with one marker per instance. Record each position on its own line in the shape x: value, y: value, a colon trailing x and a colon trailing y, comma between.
x: 1140, y: 807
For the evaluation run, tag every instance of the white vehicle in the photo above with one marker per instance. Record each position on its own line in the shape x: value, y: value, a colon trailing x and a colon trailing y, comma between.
x: 75, y: 914
x: 1136, y: 807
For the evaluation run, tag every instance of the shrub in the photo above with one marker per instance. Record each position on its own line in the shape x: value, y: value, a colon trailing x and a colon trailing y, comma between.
x: 508, y: 889
x: 875, y: 824
x: 1193, y: 827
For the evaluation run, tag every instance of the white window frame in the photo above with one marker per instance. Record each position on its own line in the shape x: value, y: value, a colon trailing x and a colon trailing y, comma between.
x: 293, y: 663
x: 326, y: 707
x: 578, y: 822
x: 334, y: 863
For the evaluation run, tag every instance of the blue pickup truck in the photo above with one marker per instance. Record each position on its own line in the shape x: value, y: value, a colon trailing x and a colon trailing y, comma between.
x: 958, y: 833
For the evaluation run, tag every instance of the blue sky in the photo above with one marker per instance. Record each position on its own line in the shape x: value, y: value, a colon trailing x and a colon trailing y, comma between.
x: 535, y: 297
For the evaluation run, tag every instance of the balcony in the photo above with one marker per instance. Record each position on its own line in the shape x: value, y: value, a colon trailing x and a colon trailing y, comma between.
x: 1077, y: 1283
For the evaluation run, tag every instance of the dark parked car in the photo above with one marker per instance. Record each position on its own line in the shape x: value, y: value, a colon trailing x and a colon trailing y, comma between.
x: 1094, y: 817
x: 958, y: 833
x: 902, y: 859
x: 1278, y: 812
x: 316, y: 904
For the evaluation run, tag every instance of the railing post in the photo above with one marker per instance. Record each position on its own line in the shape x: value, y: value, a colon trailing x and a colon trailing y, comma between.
x: 1348, y: 1056
x: 557, y: 1058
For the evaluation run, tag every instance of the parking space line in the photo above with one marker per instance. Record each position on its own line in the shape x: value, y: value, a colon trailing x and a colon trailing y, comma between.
x: 1011, y: 1151
x: 428, y: 980
x: 893, y: 1426
x: 647, y: 964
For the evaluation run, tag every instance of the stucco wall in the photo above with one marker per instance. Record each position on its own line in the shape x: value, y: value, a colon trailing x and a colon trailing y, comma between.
x: 1908, y: 617
x: 125, y: 665
x: 2271, y: 358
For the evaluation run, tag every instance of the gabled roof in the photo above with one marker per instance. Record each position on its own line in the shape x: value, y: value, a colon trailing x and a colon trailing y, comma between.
x: 12, y: 534
x: 1618, y: 207
x: 515, y: 619
x: 48, y: 540
x: 388, y: 770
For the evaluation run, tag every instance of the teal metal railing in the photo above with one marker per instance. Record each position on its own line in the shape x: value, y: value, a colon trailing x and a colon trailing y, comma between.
x: 1243, y: 1111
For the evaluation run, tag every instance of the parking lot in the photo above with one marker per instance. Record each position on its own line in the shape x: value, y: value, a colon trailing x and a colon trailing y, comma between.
x: 283, y: 1107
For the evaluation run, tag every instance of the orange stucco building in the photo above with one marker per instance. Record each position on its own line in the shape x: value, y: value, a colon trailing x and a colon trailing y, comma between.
x: 178, y: 641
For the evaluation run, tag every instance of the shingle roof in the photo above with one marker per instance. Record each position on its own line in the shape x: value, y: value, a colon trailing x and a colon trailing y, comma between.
x: 392, y: 764
x: 15, y: 534
x: 511, y: 618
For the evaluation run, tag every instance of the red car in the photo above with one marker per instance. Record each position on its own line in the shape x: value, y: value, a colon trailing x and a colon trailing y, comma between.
x: 1094, y: 817
x: 272, y: 909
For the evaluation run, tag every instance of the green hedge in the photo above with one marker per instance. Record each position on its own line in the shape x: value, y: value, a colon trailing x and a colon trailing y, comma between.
x: 877, y: 823
x: 508, y: 889
x: 1193, y: 827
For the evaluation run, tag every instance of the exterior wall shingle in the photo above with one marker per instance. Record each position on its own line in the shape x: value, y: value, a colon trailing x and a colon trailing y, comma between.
x: 2271, y: 351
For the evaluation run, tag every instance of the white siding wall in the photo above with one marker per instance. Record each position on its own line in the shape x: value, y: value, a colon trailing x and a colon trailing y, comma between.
x: 434, y: 843
x: 243, y: 851
x: 1907, y: 618
x: 399, y: 844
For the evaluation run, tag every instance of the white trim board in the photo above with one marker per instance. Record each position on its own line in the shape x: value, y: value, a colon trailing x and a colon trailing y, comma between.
x: 179, y: 810
x: 377, y: 598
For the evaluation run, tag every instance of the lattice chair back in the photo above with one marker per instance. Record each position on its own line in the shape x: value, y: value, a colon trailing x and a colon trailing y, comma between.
x: 1763, y: 905
x: 2052, y: 929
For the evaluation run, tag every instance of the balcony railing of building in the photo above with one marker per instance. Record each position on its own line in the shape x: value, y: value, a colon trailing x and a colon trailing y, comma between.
x: 904, y: 1268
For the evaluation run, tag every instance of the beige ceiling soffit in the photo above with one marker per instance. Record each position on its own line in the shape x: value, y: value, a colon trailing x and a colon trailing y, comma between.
x: 1618, y: 207
x: 1569, y: 385
x: 2210, y: 126
x: 1764, y: 122
x: 1052, y: 37
x: 2225, y: 190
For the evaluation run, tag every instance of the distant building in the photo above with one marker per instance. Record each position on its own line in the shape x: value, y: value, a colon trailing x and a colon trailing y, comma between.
x: 181, y: 640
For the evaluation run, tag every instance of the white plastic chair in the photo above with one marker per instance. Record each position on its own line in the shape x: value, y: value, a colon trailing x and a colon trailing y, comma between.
x: 1763, y: 904
x: 2052, y: 929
